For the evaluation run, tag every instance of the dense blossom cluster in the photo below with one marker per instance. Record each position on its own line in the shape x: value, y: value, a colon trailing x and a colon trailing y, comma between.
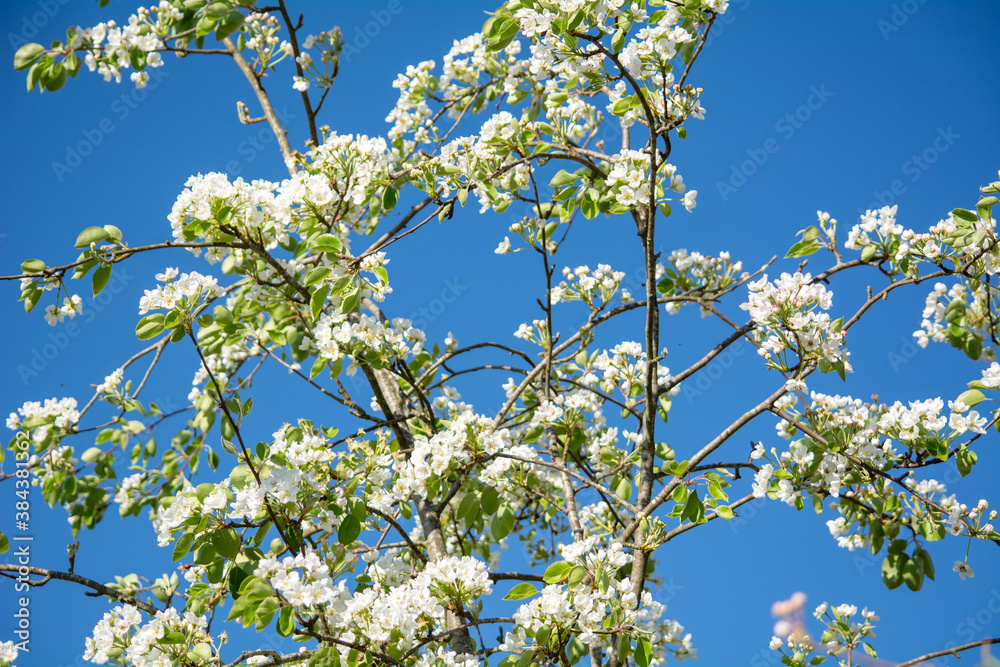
x: 788, y: 314
x: 628, y: 180
x: 696, y: 274
x: 122, y: 634
x: 624, y: 367
x: 41, y: 417
x: 467, y: 437
x: 179, y: 292
x: 336, y: 336
x: 591, y: 287
x: 865, y: 438
x: 111, y: 49
x: 584, y: 607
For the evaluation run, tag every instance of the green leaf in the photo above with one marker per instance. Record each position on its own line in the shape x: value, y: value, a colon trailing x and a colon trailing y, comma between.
x: 27, y: 55
x: 327, y: 243
x: 928, y: 562
x: 556, y: 572
x: 694, y: 510
x: 868, y: 252
x: 803, y: 249
x: 643, y: 652
x: 318, y: 300
x: 183, y: 546
x: 502, y: 523
x: 228, y: 24
x: 575, y: 650
x: 521, y: 591
x: 965, y: 458
x: 972, y: 397
x: 227, y: 542
x: 101, y: 277
x: 467, y: 509
x: 869, y: 649
x: 149, y: 326
x: 724, y: 511
x: 562, y: 178
x: 200, y: 651
x: 316, y: 275
x: 91, y: 454
x: 4, y: 543
x: 351, y: 301
x: 503, y: 31
x: 577, y: 574
x: 265, y: 612
x: 33, y: 266
x: 389, y: 198
x: 114, y: 234
x: 217, y: 10
x: 892, y: 569
x: 960, y: 214
x: 349, y: 529
x: 91, y: 235
x: 286, y: 622
x: 913, y: 573
x: 490, y: 500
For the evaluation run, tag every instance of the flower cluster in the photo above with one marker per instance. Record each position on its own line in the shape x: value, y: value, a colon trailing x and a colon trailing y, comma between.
x: 582, y: 609
x: 313, y: 586
x: 788, y: 318
x: 72, y: 306
x: 121, y: 635
x: 961, y: 316
x: 467, y: 437
x: 335, y: 336
x: 53, y: 417
x: 628, y: 179
x: 111, y: 49
x: 591, y: 287
x: 260, y: 32
x: 182, y: 293
x: 965, y: 238
x: 329, y: 44
x: 695, y: 274
x: 8, y: 653
x: 624, y: 367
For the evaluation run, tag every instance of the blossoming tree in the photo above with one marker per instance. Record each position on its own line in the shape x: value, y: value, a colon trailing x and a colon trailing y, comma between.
x: 382, y: 543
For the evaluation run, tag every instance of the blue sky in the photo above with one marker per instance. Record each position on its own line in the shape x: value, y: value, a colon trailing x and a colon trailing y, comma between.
x: 836, y: 106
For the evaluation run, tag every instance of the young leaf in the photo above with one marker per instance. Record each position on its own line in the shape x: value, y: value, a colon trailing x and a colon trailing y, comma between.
x: 521, y: 591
